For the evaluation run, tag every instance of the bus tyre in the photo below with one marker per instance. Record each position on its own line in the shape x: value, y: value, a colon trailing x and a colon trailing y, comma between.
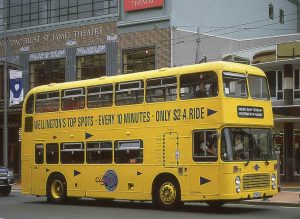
x: 167, y: 194
x: 5, y: 191
x: 215, y: 204
x: 57, y: 189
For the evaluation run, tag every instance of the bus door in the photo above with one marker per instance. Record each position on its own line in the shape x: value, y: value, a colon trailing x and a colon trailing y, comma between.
x: 170, y: 149
x: 39, y: 170
x: 204, y: 172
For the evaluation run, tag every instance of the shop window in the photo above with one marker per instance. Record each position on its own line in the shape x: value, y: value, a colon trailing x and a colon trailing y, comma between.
x: 72, y: 153
x: 93, y: 66
x: 205, y: 145
x: 275, y: 84
x: 73, y: 99
x: 47, y: 102
x: 296, y: 152
x: 161, y: 89
x: 129, y: 93
x: 100, y: 96
x: 130, y: 151
x: 99, y: 152
x: 46, y: 11
x: 46, y: 72
x: 39, y: 154
x: 52, y: 153
x: 198, y: 85
x: 296, y: 84
x: 138, y: 60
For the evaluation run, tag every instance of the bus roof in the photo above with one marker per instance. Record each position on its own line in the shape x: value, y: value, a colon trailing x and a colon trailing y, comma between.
x: 210, y: 66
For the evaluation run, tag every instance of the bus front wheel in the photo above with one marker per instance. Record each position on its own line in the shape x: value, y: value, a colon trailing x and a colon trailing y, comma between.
x: 56, y: 189
x: 167, y: 194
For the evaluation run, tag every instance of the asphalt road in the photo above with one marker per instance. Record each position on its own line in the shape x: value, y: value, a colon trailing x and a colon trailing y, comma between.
x: 18, y: 206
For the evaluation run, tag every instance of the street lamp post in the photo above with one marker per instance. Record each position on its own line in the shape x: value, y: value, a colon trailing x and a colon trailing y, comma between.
x: 5, y: 98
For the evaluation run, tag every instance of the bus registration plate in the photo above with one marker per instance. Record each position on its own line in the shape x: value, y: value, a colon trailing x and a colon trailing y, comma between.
x: 256, y: 195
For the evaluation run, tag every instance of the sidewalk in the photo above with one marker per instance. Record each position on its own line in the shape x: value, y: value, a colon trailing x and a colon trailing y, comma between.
x: 289, y: 196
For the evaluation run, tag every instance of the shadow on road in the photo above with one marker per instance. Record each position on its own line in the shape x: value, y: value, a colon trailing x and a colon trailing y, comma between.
x: 227, y: 209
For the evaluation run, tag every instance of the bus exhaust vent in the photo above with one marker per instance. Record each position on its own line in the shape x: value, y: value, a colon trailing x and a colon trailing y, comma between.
x: 256, y: 181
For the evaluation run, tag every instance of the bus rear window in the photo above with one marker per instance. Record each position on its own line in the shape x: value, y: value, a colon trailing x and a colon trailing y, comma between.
x: 30, y: 104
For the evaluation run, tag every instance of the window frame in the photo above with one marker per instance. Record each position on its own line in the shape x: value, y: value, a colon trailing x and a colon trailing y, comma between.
x: 64, y: 148
x: 99, y: 149
x: 164, y: 87
x: 132, y: 101
x: 39, y: 146
x: 99, y: 94
x: 130, y: 160
x: 235, y: 75
x: 47, y: 99
x: 74, y: 104
x: 205, y: 158
x: 57, y: 151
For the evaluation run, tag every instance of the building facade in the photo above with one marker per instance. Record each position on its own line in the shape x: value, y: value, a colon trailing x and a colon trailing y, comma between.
x: 54, y: 41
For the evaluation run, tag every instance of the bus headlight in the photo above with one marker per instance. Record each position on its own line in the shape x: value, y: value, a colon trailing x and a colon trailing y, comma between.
x: 273, y: 181
x: 238, y: 184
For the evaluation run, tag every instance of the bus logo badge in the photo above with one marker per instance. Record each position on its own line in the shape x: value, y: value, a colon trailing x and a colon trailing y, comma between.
x: 110, y: 180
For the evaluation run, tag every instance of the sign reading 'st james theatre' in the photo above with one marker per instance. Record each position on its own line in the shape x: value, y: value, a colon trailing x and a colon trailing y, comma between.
x: 135, y: 5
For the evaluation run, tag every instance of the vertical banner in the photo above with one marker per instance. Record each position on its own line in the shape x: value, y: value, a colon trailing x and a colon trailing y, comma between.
x: 15, y: 87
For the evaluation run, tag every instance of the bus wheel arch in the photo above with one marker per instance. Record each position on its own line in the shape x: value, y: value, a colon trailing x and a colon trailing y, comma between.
x: 56, y: 189
x: 166, y: 192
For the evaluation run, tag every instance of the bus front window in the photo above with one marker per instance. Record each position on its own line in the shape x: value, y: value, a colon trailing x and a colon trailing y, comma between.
x: 235, y: 85
x: 258, y: 87
x: 245, y: 144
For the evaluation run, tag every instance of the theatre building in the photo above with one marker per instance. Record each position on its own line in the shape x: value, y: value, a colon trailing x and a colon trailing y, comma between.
x: 68, y: 40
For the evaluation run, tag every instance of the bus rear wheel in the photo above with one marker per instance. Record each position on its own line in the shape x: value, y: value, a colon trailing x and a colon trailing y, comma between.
x: 57, y: 189
x: 167, y: 194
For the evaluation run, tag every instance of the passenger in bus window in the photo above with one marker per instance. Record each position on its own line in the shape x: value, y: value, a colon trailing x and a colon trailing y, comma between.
x: 209, y: 148
x: 201, y: 92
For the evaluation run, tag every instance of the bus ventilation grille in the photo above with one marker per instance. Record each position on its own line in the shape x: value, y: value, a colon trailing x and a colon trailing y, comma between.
x: 256, y: 181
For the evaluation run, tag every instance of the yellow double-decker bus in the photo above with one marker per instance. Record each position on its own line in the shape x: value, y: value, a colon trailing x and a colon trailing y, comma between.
x: 193, y: 133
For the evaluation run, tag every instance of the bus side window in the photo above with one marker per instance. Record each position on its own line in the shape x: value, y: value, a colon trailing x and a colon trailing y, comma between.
x: 47, y: 102
x: 198, y: 85
x: 52, y: 153
x: 71, y: 153
x: 73, y: 99
x: 30, y: 104
x: 100, y: 96
x: 99, y: 152
x: 131, y: 92
x: 130, y: 151
x: 205, y: 145
x: 39, y: 154
x: 161, y: 89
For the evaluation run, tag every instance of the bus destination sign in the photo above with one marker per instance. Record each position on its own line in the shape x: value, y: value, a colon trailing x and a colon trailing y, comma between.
x: 250, y: 112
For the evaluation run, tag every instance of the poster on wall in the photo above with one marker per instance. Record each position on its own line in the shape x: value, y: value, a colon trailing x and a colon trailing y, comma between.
x: 15, y: 87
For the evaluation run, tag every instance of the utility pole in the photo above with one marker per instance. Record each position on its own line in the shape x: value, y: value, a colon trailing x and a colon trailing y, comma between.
x: 5, y: 98
x: 198, y: 45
